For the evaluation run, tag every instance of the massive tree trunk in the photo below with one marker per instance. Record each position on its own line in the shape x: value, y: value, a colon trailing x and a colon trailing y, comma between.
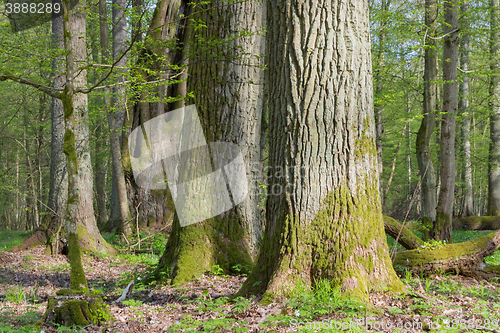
x: 324, y: 218
x: 463, y: 108
x: 227, y: 92
x: 442, y: 224
x: 423, y: 144
x: 494, y: 158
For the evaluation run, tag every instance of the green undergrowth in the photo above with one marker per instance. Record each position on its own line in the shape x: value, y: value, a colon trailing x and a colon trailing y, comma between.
x: 25, y: 322
x: 308, y: 305
x: 150, y: 242
x: 9, y: 238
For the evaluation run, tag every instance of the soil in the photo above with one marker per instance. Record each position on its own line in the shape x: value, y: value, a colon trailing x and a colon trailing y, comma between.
x: 165, y: 308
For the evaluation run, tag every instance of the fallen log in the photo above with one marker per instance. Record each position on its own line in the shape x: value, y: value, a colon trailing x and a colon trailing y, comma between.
x: 465, y: 258
x: 402, y: 234
x: 477, y: 223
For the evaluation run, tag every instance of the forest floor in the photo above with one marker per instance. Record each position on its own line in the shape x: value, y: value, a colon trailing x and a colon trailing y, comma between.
x: 445, y: 303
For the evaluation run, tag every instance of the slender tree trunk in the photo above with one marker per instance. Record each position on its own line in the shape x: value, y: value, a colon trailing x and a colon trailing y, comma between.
x: 90, y: 237
x: 423, y: 144
x: 230, y: 109
x: 464, y: 110
x: 115, y: 114
x: 494, y: 158
x: 73, y: 29
x: 442, y: 226
x: 100, y: 177
x: 324, y: 217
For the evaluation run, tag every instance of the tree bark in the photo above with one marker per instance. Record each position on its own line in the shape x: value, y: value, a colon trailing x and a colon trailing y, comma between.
x: 423, y: 144
x: 229, y: 105
x: 379, y: 109
x: 442, y: 225
x: 154, y: 207
x: 494, y: 92
x: 72, y: 26
x: 89, y: 235
x: 464, y: 110
x: 115, y: 115
x: 324, y: 218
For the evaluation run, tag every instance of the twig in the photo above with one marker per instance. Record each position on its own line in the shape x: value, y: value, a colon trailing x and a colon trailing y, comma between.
x: 407, y: 212
x: 137, y: 224
x: 446, y: 34
x: 165, y: 227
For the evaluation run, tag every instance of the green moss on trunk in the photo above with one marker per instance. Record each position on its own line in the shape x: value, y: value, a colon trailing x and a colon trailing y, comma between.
x: 76, y: 311
x: 404, y: 235
x: 442, y: 228
x: 77, y: 275
x: 344, y: 243
x: 459, y: 257
x: 192, y: 250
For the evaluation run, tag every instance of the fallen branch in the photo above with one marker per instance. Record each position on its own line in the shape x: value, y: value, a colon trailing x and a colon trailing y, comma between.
x: 465, y: 258
x: 477, y: 223
x: 406, y: 237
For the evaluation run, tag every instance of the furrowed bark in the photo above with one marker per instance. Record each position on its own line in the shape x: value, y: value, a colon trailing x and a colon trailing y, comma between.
x: 227, y: 92
x: 324, y: 218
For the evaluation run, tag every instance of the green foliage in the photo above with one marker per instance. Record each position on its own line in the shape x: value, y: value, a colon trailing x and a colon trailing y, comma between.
x: 16, y: 294
x: 216, y: 270
x: 9, y: 238
x: 434, y: 244
x: 324, y: 298
x: 11, y: 322
x: 132, y: 302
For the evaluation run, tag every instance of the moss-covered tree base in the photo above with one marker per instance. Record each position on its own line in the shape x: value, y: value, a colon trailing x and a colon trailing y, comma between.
x: 462, y: 258
x: 194, y: 249
x: 344, y: 243
x: 75, y: 310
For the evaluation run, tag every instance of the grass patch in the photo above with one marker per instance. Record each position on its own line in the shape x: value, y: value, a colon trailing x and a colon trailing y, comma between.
x: 9, y: 238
